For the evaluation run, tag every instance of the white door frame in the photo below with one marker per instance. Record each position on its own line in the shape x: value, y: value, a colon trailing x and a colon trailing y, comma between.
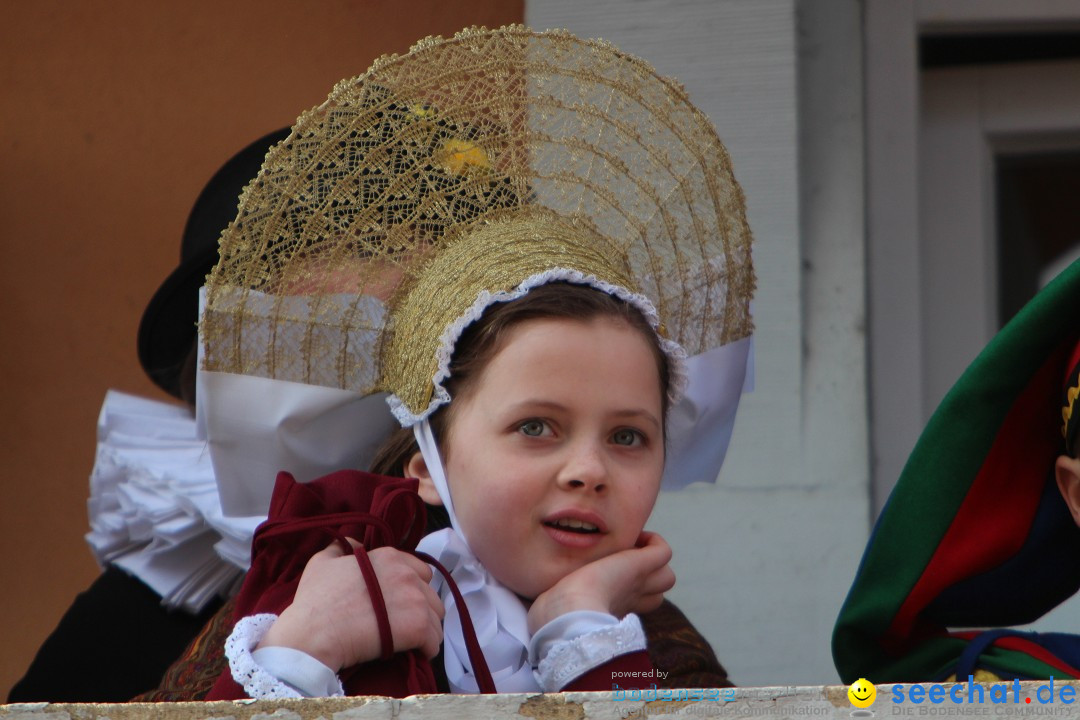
x: 969, y: 116
x: 894, y: 275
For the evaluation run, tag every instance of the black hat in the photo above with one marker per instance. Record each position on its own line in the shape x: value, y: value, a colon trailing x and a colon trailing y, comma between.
x: 168, y: 328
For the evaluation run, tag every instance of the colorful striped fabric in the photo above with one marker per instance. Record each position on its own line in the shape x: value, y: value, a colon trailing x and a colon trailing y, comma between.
x: 976, y: 534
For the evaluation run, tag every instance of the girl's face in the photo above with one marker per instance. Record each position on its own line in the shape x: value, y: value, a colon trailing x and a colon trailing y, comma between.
x: 554, y: 453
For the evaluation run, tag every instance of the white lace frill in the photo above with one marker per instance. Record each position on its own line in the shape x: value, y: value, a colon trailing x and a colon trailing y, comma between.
x: 247, y: 673
x: 262, y: 683
x: 675, y: 352
x: 568, y: 659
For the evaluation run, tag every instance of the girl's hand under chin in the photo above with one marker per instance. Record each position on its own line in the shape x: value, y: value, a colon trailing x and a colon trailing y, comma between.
x: 332, y: 619
x: 629, y: 581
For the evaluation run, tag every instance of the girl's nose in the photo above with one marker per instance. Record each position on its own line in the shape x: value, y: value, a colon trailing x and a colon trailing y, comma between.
x: 584, y: 469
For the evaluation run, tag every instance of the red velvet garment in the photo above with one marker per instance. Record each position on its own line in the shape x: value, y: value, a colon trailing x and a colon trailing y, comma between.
x: 631, y: 671
x: 306, y: 517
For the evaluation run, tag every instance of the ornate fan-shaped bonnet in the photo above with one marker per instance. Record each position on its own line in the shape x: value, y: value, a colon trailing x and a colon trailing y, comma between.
x: 457, y: 175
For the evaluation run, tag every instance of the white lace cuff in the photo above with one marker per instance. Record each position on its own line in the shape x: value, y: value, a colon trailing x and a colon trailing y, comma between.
x: 573, y: 644
x: 274, y: 673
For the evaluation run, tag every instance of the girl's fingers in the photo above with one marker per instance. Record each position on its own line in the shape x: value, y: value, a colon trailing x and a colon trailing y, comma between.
x: 388, y: 554
x: 329, y: 587
x: 642, y: 561
x: 334, y: 550
x: 434, y: 636
x: 653, y: 545
x: 422, y: 568
x: 658, y: 582
x: 331, y: 551
x: 435, y: 602
x: 648, y: 603
x: 649, y: 538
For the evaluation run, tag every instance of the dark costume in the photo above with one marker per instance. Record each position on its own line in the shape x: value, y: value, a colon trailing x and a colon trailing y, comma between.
x: 976, y: 533
x: 99, y: 653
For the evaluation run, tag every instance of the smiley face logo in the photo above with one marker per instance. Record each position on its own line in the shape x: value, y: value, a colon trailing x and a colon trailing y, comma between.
x: 862, y: 693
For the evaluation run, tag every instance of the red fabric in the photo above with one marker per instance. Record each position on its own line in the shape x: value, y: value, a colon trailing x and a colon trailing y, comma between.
x: 982, y: 535
x: 1074, y: 360
x: 1038, y: 652
x: 617, y: 672
x: 303, y: 519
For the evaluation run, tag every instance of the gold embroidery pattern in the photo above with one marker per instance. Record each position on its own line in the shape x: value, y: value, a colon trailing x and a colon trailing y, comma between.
x: 1067, y: 410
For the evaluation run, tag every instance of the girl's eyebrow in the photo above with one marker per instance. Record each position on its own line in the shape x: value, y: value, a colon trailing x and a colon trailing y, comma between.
x: 641, y: 413
x: 638, y: 413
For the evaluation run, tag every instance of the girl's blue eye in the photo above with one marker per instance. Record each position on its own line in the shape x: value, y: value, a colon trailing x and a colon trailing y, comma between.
x: 626, y: 437
x: 532, y: 428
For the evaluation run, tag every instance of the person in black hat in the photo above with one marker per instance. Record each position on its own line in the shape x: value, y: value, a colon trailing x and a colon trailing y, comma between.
x: 99, y: 652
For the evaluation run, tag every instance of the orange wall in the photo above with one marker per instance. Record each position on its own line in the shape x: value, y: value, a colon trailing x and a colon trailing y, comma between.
x: 112, y: 117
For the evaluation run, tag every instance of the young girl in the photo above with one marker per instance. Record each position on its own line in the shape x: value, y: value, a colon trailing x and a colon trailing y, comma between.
x: 557, y: 227
x: 553, y: 450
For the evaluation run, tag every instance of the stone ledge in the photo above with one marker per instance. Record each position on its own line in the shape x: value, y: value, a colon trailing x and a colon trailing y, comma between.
x: 802, y: 702
x: 1024, y: 699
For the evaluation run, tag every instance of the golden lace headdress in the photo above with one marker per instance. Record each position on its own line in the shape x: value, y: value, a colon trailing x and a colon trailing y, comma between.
x: 459, y: 174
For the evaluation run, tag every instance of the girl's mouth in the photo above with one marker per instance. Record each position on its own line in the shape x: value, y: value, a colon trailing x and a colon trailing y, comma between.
x: 574, y: 526
x: 574, y: 534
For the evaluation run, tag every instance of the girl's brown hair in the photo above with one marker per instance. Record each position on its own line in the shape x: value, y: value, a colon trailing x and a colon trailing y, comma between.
x: 483, y: 339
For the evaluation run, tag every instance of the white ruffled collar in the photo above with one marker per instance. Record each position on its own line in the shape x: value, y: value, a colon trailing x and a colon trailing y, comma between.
x: 499, y: 617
